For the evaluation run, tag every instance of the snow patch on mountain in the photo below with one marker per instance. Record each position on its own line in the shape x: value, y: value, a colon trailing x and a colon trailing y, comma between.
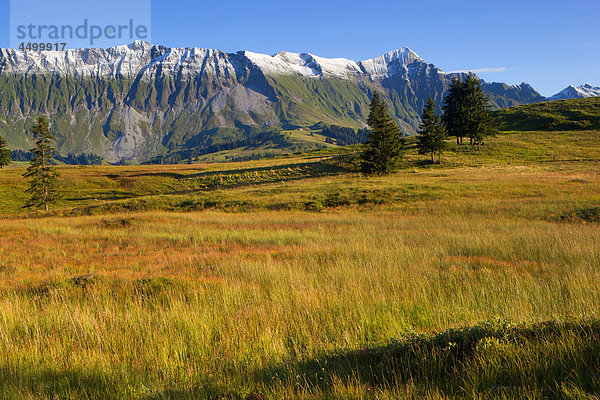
x: 578, y: 92
x: 122, y: 60
x: 304, y: 64
x: 281, y: 63
x: 339, y: 67
x: 149, y: 60
x: 128, y: 60
x: 389, y: 63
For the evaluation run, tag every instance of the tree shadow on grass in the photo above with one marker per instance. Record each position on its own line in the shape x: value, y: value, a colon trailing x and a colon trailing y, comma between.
x: 547, y: 360
x: 315, y: 168
x: 104, y: 196
x: 173, y: 175
x: 51, y: 384
x: 311, y: 169
x: 461, y: 362
x: 208, y: 392
x: 80, y: 384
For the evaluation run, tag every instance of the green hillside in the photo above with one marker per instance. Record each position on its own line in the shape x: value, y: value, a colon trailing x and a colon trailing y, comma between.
x: 169, y: 117
x: 325, y: 177
x: 577, y: 121
x: 285, y: 143
x: 564, y: 115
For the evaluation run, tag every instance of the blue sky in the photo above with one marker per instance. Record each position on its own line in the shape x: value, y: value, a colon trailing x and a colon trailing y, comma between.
x: 549, y: 44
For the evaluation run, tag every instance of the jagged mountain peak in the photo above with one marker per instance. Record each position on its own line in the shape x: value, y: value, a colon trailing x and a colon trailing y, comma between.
x: 126, y: 60
x: 572, y: 92
x: 141, y: 56
x: 504, y: 95
x: 388, y: 63
x: 140, y: 45
x: 402, y: 54
x: 516, y: 86
x: 522, y: 85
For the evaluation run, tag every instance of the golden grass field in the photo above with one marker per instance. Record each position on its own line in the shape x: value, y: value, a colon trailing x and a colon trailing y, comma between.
x: 292, y: 278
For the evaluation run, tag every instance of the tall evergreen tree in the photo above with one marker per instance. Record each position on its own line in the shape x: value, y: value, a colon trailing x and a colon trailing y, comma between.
x: 453, y: 116
x: 479, y: 119
x: 385, y: 145
x: 432, y: 132
x: 42, y: 176
x: 466, y: 111
x: 4, y: 153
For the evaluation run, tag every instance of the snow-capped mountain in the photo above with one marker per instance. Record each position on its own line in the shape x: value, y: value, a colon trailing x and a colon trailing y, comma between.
x: 141, y: 100
x: 578, y: 92
x: 142, y: 58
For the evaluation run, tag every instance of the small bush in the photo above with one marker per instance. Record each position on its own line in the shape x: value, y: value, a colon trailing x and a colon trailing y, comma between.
x: 591, y: 214
x: 117, y: 222
x: 337, y: 199
x: 313, y: 205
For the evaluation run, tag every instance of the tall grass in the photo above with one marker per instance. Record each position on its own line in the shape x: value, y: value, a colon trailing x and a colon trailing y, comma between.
x: 218, y: 304
x: 446, y: 281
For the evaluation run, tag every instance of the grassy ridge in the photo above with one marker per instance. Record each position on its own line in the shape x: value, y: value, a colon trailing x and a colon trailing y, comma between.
x: 325, y: 178
x: 286, y: 143
x: 563, y: 115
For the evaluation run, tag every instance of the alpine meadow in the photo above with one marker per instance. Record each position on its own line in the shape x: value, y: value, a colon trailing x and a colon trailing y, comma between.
x: 189, y: 223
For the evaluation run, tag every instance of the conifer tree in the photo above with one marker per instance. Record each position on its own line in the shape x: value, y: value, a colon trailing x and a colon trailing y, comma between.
x: 479, y: 120
x: 42, y: 176
x: 385, y: 145
x: 453, y: 116
x: 4, y: 153
x: 466, y: 111
x: 432, y: 132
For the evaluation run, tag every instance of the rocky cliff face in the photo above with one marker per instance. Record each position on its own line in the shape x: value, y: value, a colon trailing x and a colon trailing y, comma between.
x: 141, y: 100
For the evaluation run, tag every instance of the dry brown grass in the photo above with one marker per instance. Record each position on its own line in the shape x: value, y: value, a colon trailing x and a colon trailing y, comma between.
x: 229, y: 304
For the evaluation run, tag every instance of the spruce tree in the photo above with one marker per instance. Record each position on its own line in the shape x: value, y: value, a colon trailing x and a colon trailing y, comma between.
x: 479, y: 119
x: 466, y: 111
x: 385, y: 145
x: 432, y: 132
x: 4, y: 153
x: 42, y: 176
x: 453, y: 116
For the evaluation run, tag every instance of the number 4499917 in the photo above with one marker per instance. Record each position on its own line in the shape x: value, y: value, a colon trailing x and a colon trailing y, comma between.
x: 42, y: 46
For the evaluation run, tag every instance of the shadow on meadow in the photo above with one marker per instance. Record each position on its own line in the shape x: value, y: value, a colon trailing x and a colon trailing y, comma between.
x: 208, y: 392
x: 49, y: 384
x: 83, y: 384
x: 108, y: 195
x: 171, y: 175
x: 279, y: 172
x: 590, y: 214
x: 558, y: 360
x: 547, y: 360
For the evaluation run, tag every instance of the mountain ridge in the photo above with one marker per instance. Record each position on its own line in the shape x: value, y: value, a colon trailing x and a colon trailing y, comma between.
x: 137, y: 101
x: 140, y: 56
x: 578, y: 92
